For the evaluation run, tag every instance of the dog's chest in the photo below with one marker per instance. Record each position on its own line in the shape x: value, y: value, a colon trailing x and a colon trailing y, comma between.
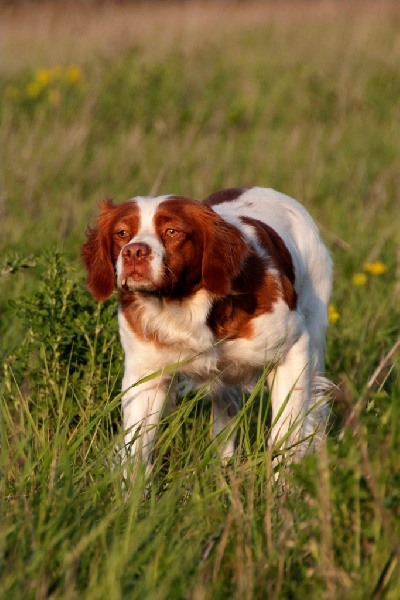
x: 178, y: 332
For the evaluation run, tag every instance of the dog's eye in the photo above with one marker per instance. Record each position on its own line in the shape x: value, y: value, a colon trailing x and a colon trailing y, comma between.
x: 123, y: 233
x: 171, y: 232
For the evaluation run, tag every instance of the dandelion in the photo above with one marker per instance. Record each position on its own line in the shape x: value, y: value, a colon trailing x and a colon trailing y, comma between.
x: 33, y: 89
x: 74, y: 74
x: 359, y: 279
x: 333, y: 314
x: 43, y: 77
x: 375, y: 268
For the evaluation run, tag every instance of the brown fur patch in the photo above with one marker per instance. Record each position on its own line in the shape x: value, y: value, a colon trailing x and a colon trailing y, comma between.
x: 280, y: 257
x: 255, y: 291
x: 224, y: 196
x: 133, y: 313
x: 102, y: 247
x: 217, y: 251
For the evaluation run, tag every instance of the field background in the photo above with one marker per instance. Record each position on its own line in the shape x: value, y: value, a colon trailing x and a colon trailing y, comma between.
x: 124, y: 99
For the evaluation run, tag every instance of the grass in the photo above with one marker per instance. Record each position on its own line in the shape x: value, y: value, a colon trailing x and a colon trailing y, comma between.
x: 119, y: 100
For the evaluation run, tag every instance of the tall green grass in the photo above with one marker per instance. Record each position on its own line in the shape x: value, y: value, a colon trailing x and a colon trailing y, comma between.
x: 309, y: 106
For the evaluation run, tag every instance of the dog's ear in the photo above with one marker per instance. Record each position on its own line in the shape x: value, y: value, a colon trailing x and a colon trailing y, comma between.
x: 96, y: 255
x: 223, y: 256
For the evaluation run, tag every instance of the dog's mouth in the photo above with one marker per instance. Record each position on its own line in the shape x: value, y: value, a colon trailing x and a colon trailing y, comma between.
x: 137, y: 282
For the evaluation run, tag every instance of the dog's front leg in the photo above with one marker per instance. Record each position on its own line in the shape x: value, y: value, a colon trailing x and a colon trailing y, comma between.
x: 141, y: 408
x: 290, y: 385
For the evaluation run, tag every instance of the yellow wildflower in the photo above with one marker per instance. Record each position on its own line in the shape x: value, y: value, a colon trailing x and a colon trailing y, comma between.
x: 43, y: 77
x: 74, y: 74
x: 375, y: 268
x: 359, y: 279
x: 33, y: 89
x: 333, y: 314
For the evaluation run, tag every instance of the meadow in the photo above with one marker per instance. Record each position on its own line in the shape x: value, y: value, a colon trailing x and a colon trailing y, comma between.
x: 116, y: 100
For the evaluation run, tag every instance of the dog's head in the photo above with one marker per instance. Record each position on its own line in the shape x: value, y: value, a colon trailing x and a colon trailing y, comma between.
x: 168, y: 246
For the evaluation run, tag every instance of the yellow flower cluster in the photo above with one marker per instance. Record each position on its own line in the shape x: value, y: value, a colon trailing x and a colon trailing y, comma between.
x: 375, y: 268
x: 359, y: 279
x: 49, y: 83
x: 372, y: 268
x: 333, y: 314
x: 50, y: 80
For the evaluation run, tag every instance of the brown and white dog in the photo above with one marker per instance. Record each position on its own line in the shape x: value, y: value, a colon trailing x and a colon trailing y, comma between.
x: 226, y: 287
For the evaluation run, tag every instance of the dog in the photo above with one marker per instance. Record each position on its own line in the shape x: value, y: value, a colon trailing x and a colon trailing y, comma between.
x: 226, y: 288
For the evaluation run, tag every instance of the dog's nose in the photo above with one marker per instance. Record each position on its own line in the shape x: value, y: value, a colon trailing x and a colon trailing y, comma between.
x: 136, y: 251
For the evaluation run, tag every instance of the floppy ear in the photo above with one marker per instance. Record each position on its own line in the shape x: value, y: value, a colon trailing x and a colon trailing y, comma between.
x: 223, y: 255
x: 96, y: 255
